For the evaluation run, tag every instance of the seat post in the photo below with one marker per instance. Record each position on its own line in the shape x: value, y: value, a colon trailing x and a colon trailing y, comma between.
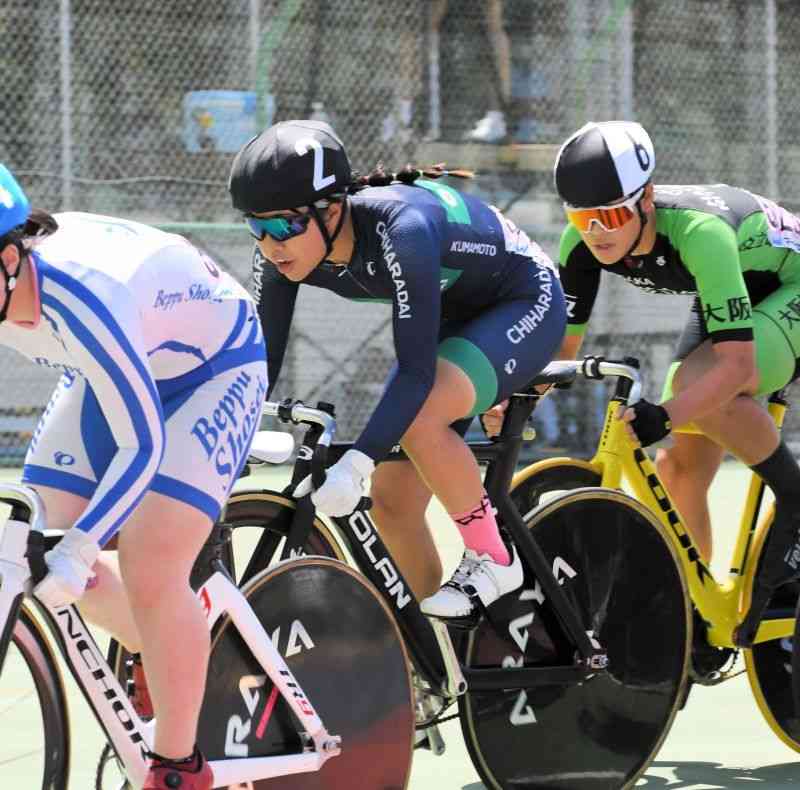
x: 218, y: 548
x: 502, y: 467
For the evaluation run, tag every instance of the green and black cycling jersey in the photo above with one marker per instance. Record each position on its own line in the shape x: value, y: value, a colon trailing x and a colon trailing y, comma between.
x: 728, y: 246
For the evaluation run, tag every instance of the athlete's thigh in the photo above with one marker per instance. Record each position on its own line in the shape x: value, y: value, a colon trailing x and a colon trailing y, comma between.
x: 776, y: 334
x: 776, y: 361
x: 70, y: 450
x: 776, y: 326
x: 62, y: 508
x: 503, y: 348
x: 698, y: 362
x: 162, y: 533
x: 209, y: 430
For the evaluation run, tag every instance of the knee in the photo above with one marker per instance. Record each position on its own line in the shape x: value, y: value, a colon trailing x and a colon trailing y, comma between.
x: 717, y: 421
x: 426, y: 429
x: 678, y: 470
x: 148, y: 580
x: 670, y: 466
x: 386, y: 503
x: 61, y: 508
x: 394, y: 500
x: 432, y: 425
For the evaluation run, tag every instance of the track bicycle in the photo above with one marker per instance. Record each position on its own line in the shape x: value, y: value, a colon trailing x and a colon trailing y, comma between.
x: 718, y: 605
x: 288, y: 694
x: 568, y: 682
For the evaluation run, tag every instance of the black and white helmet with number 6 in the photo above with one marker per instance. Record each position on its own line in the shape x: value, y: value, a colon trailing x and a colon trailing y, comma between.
x: 291, y: 164
x: 603, y: 163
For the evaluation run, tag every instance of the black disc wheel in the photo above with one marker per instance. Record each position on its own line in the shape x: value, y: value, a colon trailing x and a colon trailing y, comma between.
x: 622, y: 576
x: 343, y: 646
x: 541, y: 482
x: 34, y: 747
x: 769, y: 664
x: 796, y: 674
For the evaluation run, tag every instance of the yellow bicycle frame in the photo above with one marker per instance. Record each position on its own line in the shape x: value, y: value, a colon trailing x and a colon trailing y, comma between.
x: 721, y: 604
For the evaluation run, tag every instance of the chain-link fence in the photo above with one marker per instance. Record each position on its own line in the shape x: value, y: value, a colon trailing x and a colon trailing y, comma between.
x: 136, y: 109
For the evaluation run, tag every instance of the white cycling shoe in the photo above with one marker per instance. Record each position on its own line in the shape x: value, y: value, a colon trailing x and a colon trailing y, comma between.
x: 476, y: 579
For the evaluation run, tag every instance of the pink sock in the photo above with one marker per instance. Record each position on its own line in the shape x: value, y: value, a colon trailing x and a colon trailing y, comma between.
x: 478, y: 528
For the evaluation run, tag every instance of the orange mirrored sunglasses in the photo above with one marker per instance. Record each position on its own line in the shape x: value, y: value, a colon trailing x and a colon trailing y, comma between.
x: 609, y: 218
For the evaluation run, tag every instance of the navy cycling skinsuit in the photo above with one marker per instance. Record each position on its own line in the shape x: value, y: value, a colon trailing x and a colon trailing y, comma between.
x: 465, y: 285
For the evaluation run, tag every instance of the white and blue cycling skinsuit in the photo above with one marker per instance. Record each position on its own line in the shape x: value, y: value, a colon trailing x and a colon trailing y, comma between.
x: 163, y: 370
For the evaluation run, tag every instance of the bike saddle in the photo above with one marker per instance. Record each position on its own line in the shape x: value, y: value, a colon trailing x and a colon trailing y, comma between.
x: 272, y: 447
x: 561, y: 373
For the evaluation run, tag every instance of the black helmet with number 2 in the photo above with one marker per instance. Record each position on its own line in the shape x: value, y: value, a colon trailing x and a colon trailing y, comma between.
x: 291, y: 164
x: 603, y: 163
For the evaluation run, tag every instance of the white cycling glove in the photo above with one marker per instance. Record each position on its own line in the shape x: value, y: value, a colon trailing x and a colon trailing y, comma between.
x: 344, y: 486
x: 70, y: 564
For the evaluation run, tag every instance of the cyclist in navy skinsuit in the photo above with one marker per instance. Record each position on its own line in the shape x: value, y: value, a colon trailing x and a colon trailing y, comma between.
x: 477, y: 311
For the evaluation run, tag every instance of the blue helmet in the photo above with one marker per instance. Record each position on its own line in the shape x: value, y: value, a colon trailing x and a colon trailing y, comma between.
x: 14, y: 206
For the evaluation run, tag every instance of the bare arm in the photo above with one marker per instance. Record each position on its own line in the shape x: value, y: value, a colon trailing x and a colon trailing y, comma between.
x: 729, y: 371
x: 570, y: 346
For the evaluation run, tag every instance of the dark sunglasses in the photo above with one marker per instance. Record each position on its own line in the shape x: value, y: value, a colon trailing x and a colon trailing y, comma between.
x: 277, y: 228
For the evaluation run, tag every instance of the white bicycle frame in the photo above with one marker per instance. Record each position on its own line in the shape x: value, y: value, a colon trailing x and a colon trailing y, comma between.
x: 131, y: 737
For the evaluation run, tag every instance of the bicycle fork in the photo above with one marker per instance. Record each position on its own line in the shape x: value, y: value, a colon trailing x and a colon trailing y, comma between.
x: 24, y: 521
x: 14, y: 574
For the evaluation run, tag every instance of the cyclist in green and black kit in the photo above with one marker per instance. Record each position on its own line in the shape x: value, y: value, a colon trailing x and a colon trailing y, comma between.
x: 739, y: 253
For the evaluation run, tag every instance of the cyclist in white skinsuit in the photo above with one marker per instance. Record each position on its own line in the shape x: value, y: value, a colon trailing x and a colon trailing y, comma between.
x: 163, y: 380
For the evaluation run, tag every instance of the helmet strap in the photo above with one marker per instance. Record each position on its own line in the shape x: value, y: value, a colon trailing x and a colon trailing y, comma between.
x: 642, y: 223
x: 328, y: 237
x: 9, y: 284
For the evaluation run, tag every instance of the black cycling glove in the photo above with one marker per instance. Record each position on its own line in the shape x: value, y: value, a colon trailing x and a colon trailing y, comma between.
x: 651, y: 423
